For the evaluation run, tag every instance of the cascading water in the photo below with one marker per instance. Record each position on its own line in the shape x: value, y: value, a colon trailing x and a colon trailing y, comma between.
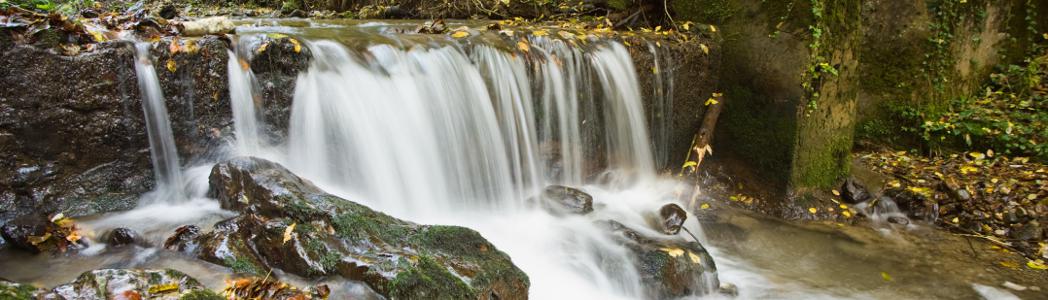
x: 242, y: 94
x: 166, y: 168
x: 467, y: 135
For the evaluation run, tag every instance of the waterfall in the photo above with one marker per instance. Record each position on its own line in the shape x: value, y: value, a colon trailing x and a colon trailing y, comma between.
x: 244, y: 99
x: 467, y: 134
x: 164, y: 155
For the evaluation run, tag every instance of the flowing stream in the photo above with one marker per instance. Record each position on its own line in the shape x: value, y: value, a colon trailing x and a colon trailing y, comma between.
x: 467, y: 134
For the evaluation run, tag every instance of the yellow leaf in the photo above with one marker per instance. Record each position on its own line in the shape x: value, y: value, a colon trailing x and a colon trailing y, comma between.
x: 1008, y: 264
x: 704, y: 48
x: 955, y: 220
x: 1037, y: 265
x: 171, y: 66
x: 262, y: 48
x: 657, y: 28
x: 243, y: 199
x: 73, y: 237
x: 690, y: 164
x: 705, y: 206
x: 244, y: 65
x: 506, y: 32
x: 654, y: 70
x: 674, y: 252
x: 460, y: 34
x: 288, y: 231
x: 298, y: 46
x: 846, y: 213
x: 523, y: 46
x: 695, y: 259
x: 540, y: 32
x: 813, y: 210
x: 836, y: 192
x: 844, y: 206
x: 687, y: 26
x: 977, y: 155
x: 36, y: 240
x: 713, y: 28
x: 163, y: 288
x: 711, y: 101
x: 1045, y: 36
x: 886, y: 277
x: 97, y: 36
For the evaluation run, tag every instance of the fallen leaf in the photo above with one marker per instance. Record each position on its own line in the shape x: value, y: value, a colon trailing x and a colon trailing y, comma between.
x: 163, y: 288
x: 171, y: 66
x: 695, y: 259
x: 288, y: 231
x: 1037, y: 265
x: 813, y: 210
x: 674, y: 252
x: 836, y: 193
x: 523, y: 46
x: 539, y: 32
x: 705, y: 206
x: 460, y: 34
x: 704, y: 48
x: 886, y: 277
x: 296, y: 44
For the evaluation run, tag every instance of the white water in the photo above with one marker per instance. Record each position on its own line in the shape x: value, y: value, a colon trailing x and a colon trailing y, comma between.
x: 164, y: 155
x: 244, y: 100
x: 435, y: 135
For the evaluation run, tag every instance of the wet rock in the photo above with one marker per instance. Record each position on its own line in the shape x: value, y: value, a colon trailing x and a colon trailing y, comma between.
x: 728, y: 289
x: 207, y: 26
x: 14, y: 290
x: 127, y: 284
x: 898, y: 220
x: 915, y: 205
x: 1031, y: 231
x: 288, y: 223
x: 670, y: 268
x: 18, y: 232
x: 184, y: 239
x: 89, y: 13
x: 566, y: 200
x: 121, y: 237
x: 267, y: 288
x: 169, y: 11
x: 854, y: 192
x: 673, y: 217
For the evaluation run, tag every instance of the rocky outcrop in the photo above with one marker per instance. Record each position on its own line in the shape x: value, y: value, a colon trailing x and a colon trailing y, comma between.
x: 129, y: 284
x: 72, y: 128
x: 288, y: 223
x: 670, y: 268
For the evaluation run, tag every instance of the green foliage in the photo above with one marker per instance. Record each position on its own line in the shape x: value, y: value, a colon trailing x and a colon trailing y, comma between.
x: 243, y: 266
x: 201, y: 295
x: 1011, y: 117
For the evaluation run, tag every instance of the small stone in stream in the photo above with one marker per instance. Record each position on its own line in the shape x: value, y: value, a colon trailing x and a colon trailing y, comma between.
x: 169, y: 11
x: 121, y: 236
x: 1013, y: 286
x: 184, y: 238
x: 19, y: 232
x: 89, y: 13
x: 853, y: 192
x: 898, y: 220
x: 728, y: 289
x: 562, y: 199
x: 673, y: 217
x: 1027, y: 232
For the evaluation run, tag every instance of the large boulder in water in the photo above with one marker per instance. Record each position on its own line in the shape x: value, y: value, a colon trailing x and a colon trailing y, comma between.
x: 130, y: 284
x: 669, y: 267
x: 286, y: 222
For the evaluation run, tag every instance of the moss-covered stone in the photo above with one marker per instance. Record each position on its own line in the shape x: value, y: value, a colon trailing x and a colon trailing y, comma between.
x: 17, y: 291
x: 290, y: 224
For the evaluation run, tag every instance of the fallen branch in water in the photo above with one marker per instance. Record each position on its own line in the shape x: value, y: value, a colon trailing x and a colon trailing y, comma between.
x: 700, y: 144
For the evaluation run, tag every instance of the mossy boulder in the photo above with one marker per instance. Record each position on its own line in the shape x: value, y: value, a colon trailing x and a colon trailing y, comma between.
x: 17, y: 291
x: 286, y: 222
x: 163, y: 284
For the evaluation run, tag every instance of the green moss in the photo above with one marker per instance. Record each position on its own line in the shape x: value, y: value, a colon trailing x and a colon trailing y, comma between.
x: 201, y: 295
x: 428, y: 280
x: 242, y: 265
x: 16, y: 291
x: 357, y: 222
